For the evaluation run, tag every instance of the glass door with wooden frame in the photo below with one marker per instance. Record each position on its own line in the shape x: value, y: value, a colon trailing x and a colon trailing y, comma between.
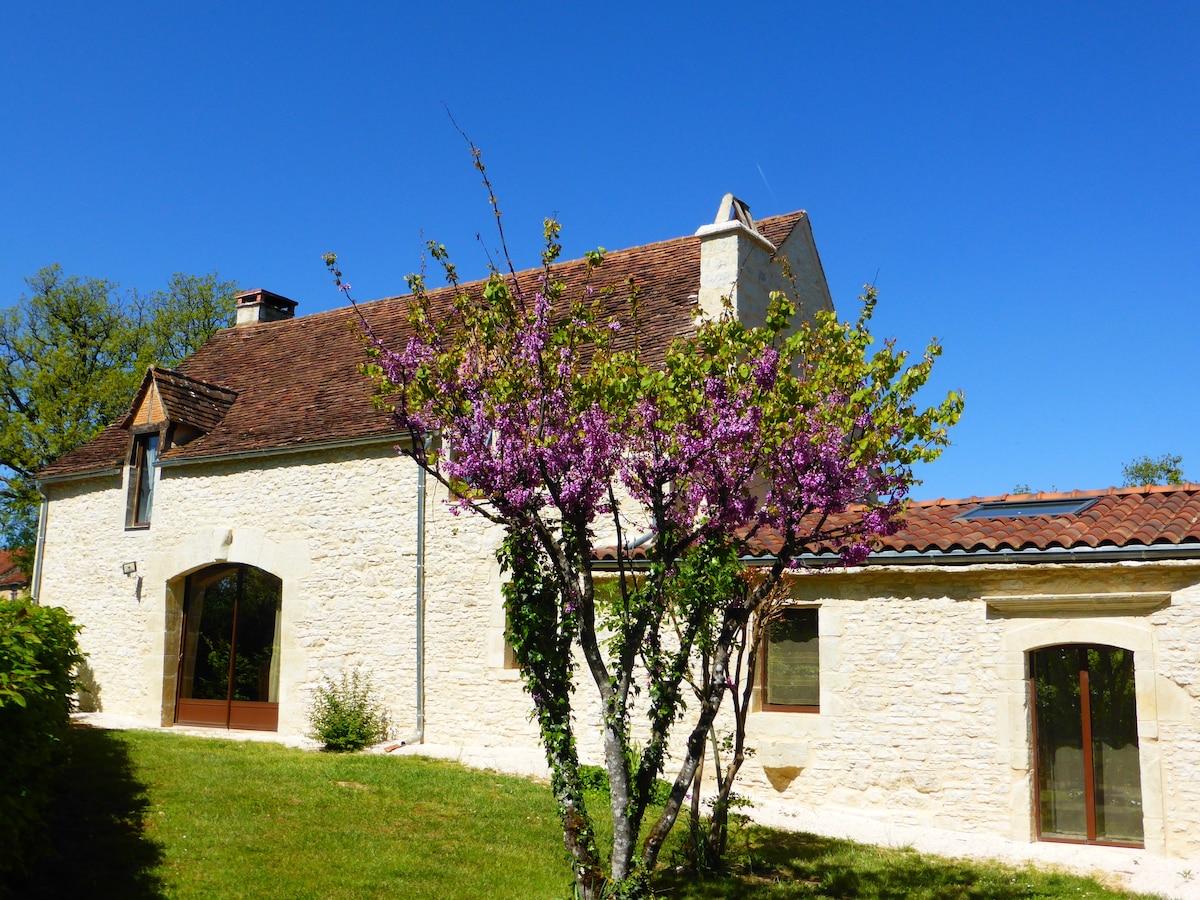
x: 229, y: 652
x: 1088, y: 771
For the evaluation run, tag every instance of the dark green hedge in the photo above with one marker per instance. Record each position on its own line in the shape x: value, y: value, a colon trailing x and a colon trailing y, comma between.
x: 38, y: 658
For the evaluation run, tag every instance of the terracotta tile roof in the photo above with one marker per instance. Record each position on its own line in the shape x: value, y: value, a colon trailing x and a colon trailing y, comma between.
x: 104, y: 452
x: 11, y: 575
x: 297, y: 380
x: 1117, y: 517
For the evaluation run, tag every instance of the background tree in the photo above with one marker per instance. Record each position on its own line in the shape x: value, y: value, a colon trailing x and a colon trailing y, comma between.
x: 72, y: 352
x: 1143, y: 470
x: 181, y: 318
x: 553, y: 414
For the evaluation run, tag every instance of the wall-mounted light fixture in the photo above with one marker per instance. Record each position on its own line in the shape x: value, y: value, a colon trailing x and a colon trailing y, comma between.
x: 128, y: 568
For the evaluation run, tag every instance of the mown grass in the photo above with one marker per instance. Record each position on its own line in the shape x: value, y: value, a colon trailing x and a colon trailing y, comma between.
x: 148, y: 815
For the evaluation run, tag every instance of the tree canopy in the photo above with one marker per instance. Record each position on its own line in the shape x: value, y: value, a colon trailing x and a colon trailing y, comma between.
x: 1143, y: 470
x: 526, y: 403
x: 72, y: 352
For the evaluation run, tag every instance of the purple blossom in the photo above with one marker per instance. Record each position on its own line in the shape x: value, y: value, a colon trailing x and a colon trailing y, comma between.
x: 513, y: 394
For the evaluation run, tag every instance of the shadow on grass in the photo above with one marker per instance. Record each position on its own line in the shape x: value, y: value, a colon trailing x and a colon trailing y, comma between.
x: 96, y: 844
x: 785, y: 865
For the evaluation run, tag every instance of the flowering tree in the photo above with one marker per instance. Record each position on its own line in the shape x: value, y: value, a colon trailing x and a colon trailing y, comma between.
x: 555, y: 423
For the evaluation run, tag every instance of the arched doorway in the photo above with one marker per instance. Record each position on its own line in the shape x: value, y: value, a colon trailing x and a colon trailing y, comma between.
x: 229, y: 652
x: 1087, y: 767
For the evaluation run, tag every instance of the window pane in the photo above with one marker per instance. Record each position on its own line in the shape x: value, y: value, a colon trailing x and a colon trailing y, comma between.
x: 218, y: 596
x: 1070, y: 780
x: 793, y: 660
x: 1116, y: 768
x: 146, y: 455
x: 256, y: 667
x: 1061, y: 785
x: 207, y: 641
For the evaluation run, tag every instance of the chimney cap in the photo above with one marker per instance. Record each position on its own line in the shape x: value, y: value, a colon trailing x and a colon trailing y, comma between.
x: 260, y: 305
x: 733, y: 218
x: 259, y: 295
x: 737, y: 210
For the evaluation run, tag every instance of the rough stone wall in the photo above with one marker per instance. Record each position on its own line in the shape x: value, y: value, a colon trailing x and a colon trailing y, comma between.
x: 924, y: 715
x: 86, y: 543
x: 1177, y: 693
x: 737, y: 264
x: 908, y: 717
x: 339, y: 529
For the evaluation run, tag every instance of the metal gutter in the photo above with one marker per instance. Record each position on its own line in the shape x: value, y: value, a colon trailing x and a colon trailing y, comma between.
x: 314, y: 446
x: 35, y: 591
x: 1130, y: 553
x: 76, y: 476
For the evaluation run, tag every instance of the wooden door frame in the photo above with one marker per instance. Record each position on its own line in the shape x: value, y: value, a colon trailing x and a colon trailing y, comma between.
x: 245, y: 715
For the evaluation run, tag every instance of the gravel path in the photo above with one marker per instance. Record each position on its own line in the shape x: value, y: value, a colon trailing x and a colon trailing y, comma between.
x: 1134, y: 870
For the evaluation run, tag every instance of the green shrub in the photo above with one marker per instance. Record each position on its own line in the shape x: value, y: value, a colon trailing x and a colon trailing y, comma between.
x: 38, y: 658
x: 346, y: 716
x: 594, y: 779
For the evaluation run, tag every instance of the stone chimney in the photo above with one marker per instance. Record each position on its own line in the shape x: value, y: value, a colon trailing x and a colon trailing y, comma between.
x: 263, y: 306
x: 737, y: 262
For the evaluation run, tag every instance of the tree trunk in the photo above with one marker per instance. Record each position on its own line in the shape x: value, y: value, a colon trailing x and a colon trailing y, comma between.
x: 695, y: 752
x: 624, y: 833
x: 718, y: 830
x: 580, y: 843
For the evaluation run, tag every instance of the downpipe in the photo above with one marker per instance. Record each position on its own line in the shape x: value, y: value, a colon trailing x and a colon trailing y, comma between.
x: 40, y: 549
x: 418, y: 736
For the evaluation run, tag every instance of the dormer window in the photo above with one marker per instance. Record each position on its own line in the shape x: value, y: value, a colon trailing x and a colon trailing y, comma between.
x: 169, y: 410
x: 141, y: 479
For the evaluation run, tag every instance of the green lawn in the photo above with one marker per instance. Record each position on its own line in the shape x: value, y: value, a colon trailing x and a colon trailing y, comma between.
x: 145, y: 815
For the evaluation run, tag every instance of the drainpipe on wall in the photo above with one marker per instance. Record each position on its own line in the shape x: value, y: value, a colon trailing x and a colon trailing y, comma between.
x: 418, y: 737
x: 35, y: 589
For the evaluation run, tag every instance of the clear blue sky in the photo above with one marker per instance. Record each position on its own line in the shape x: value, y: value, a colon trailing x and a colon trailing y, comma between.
x: 1021, y: 176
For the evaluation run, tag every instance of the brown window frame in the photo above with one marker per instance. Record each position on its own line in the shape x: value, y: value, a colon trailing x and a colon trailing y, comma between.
x: 1083, y: 668
x: 138, y: 470
x: 767, y: 706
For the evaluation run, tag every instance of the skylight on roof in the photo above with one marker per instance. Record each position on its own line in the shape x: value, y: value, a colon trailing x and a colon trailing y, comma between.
x: 1012, y: 509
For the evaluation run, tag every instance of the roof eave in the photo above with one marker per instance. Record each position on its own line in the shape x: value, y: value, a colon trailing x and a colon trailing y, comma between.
x: 1129, y: 552
x: 1029, y: 555
x: 76, y: 476
x: 311, y: 446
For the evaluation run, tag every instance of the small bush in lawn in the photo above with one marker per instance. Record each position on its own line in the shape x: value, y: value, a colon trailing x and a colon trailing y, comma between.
x: 345, y: 716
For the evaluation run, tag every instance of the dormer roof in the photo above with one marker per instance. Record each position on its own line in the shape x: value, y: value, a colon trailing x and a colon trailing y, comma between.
x: 169, y: 396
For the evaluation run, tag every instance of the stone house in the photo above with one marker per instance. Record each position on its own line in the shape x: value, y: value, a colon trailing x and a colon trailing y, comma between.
x: 248, y: 530
x: 14, y: 583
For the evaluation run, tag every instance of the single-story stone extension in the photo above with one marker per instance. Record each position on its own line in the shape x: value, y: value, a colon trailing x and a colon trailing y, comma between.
x: 1019, y: 666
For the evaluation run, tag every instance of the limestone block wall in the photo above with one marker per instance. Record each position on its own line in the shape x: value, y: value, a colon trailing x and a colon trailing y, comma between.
x: 86, y: 543
x: 1177, y: 696
x: 908, y: 718
x: 738, y: 264
x: 924, y: 715
x: 339, y: 528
